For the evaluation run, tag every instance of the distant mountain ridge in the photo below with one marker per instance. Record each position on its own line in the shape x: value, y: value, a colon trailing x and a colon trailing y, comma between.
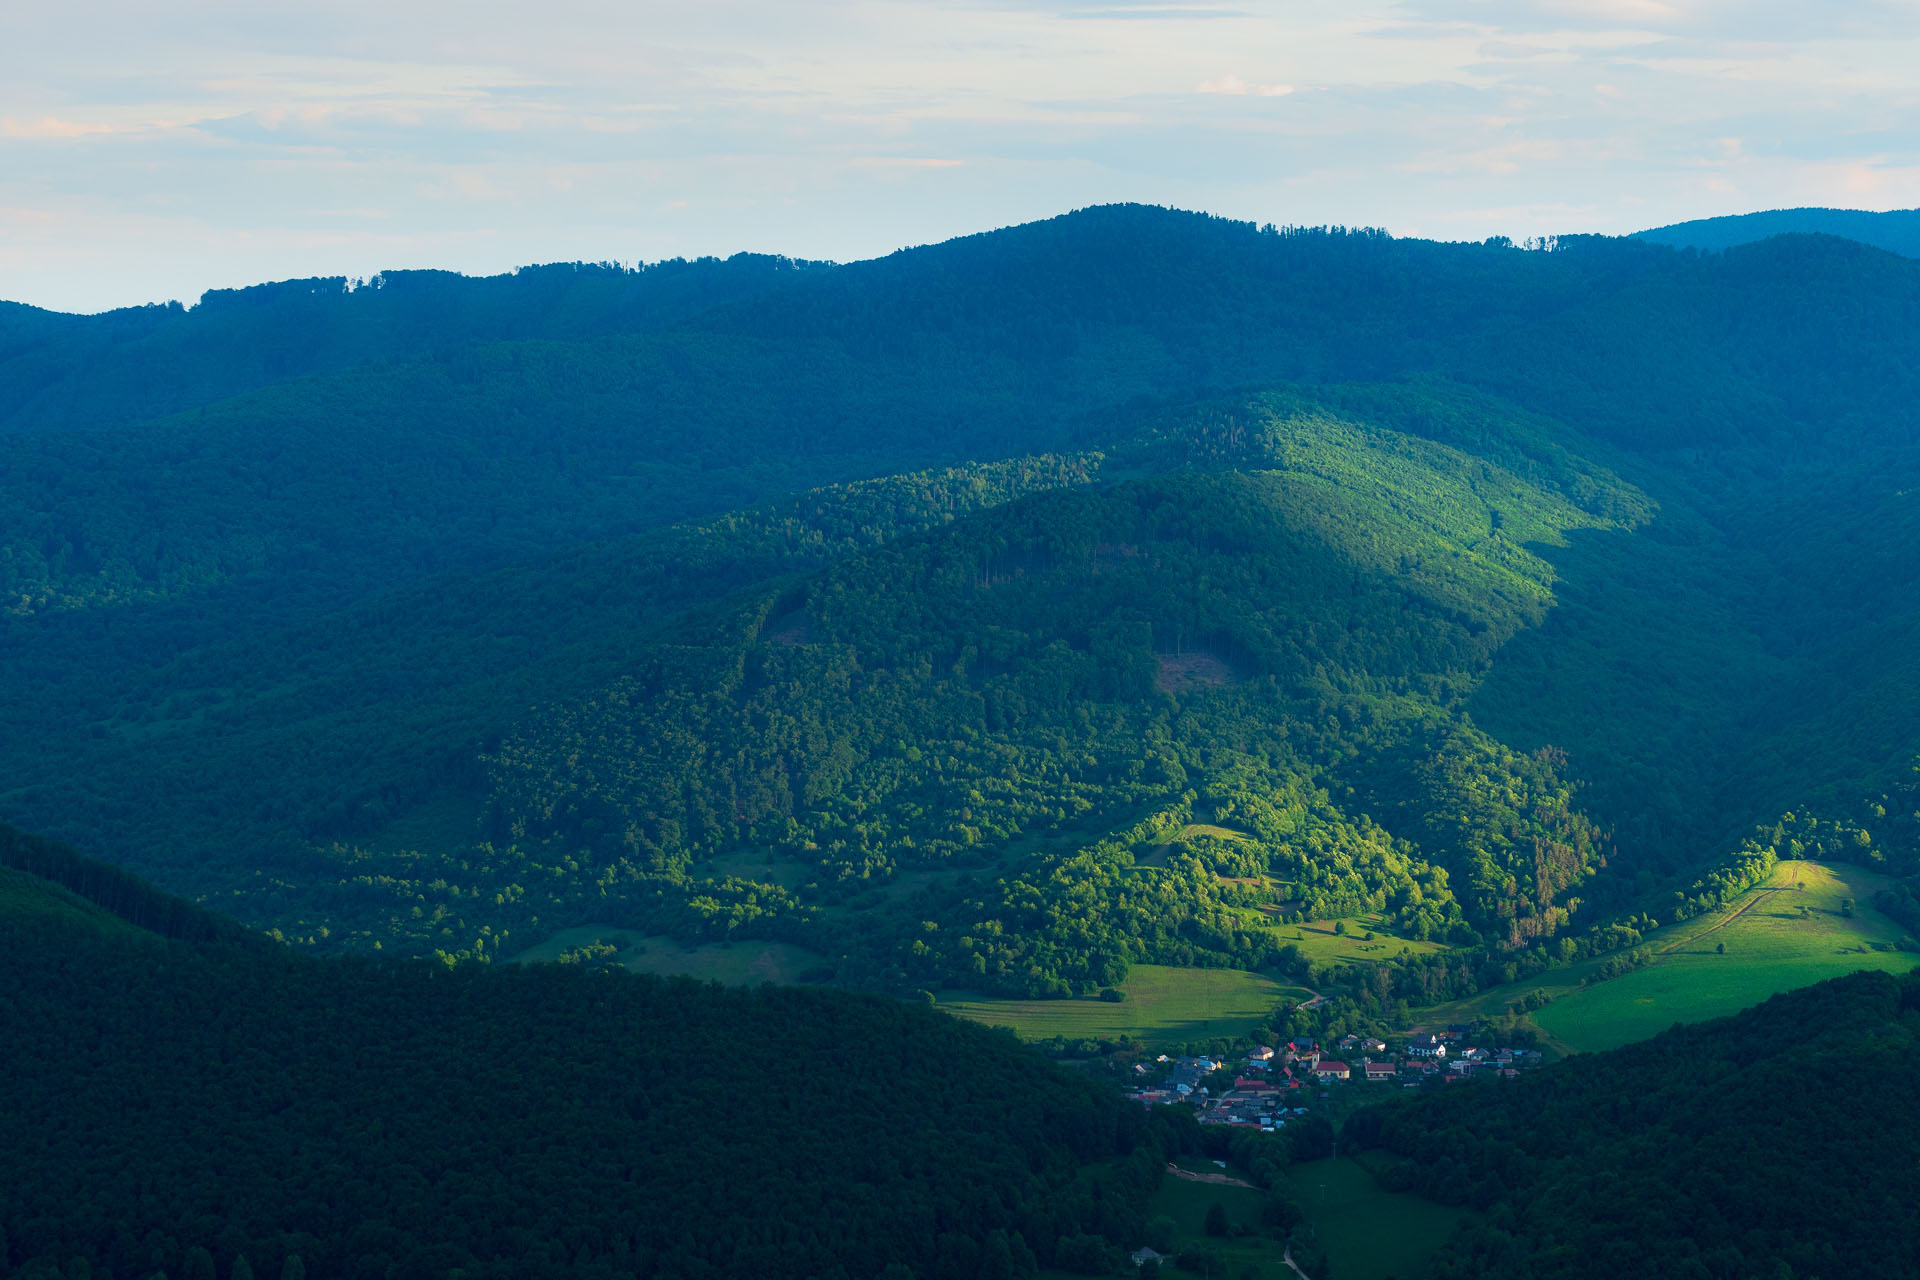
x: 65, y: 372
x: 1896, y: 231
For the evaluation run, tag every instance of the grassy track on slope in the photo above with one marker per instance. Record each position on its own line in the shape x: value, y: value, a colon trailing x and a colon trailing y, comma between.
x: 1163, y: 1004
x: 24, y: 897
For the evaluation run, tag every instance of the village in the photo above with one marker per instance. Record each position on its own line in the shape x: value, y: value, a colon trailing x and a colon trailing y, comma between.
x: 1272, y: 1085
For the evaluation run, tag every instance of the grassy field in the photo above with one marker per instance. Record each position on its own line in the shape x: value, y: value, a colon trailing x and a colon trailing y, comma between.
x: 1163, y: 1005
x: 1370, y: 1234
x: 1770, y: 948
x: 736, y: 964
x: 1319, y: 941
x: 1187, y: 1203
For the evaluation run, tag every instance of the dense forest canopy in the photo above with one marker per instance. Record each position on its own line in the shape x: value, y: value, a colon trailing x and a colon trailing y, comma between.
x: 225, y: 1107
x: 1125, y: 586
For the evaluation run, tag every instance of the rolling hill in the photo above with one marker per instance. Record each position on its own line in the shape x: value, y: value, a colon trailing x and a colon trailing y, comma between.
x: 216, y: 1105
x: 993, y: 616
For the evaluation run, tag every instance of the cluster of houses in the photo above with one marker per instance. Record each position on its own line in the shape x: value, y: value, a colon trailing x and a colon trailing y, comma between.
x: 1272, y: 1085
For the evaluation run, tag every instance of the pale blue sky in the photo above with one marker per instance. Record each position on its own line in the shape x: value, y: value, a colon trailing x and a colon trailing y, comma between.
x: 153, y: 150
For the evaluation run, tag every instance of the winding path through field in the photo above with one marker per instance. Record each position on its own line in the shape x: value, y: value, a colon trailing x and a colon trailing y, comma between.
x: 1760, y: 894
x: 1287, y: 1258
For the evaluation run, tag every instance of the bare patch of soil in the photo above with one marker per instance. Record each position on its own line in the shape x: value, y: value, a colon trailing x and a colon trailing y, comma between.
x: 1181, y: 672
x: 792, y: 628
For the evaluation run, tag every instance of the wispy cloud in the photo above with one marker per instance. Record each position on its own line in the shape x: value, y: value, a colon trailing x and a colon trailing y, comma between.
x: 1234, y: 86
x: 906, y: 162
x: 150, y: 151
x: 48, y: 127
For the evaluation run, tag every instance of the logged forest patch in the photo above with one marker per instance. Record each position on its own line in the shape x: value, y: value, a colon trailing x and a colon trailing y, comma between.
x: 1187, y: 672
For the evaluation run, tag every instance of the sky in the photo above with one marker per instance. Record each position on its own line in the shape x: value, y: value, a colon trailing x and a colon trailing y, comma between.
x: 152, y: 149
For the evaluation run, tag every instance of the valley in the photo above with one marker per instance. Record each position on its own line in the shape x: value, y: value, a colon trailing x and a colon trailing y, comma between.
x: 703, y: 709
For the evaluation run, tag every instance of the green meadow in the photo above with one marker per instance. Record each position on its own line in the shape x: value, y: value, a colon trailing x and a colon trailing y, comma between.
x: 1322, y: 942
x: 1771, y: 946
x: 1186, y: 1202
x: 1370, y: 1234
x: 1163, y: 1004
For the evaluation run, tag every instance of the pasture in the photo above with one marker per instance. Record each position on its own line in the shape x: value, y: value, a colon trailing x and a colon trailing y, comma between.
x: 1186, y: 1202
x: 1163, y: 1005
x: 1370, y: 1234
x: 1321, y: 942
x: 1771, y: 946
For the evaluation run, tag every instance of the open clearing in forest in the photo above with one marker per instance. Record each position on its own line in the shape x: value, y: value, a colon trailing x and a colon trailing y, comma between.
x: 1770, y: 948
x: 1164, y: 1006
x: 1322, y: 943
x: 1369, y: 1233
x: 1186, y: 1201
x: 1210, y: 829
x: 757, y: 866
x: 1186, y: 672
x: 737, y: 964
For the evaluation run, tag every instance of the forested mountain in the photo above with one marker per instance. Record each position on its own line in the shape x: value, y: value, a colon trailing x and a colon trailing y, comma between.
x: 996, y: 614
x: 1896, y: 231
x: 226, y: 1108
x: 1778, y: 1142
x: 64, y: 372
